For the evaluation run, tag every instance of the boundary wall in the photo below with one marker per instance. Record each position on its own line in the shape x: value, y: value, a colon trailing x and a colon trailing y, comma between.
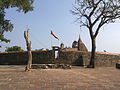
x: 65, y: 57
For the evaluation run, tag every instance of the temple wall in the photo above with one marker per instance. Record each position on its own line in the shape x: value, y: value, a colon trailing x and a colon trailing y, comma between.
x: 66, y: 57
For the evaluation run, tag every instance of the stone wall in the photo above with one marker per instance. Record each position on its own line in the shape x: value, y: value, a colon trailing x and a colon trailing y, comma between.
x: 106, y: 59
x: 65, y: 57
x: 20, y: 58
x: 73, y: 57
x: 70, y: 49
x: 83, y: 58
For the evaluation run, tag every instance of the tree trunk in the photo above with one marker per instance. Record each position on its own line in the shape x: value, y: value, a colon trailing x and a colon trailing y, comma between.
x: 92, y: 59
x: 29, y: 64
x: 28, y: 44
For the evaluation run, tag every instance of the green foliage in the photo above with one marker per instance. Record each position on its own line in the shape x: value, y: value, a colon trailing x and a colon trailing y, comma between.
x: 14, y: 48
x: 6, y: 25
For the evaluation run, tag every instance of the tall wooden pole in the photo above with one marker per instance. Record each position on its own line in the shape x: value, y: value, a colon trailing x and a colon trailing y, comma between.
x: 28, y: 44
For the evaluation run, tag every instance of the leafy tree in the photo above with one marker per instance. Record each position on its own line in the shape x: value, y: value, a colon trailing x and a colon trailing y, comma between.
x: 93, y: 14
x: 14, y: 48
x: 6, y: 25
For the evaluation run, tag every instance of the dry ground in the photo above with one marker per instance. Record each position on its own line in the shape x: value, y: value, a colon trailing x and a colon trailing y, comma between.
x: 77, y: 78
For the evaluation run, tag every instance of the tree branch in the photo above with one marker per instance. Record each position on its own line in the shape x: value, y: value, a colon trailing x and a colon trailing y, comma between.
x: 99, y: 16
x: 94, y: 7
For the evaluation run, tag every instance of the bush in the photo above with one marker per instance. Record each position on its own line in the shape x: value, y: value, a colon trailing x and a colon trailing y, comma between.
x: 14, y: 48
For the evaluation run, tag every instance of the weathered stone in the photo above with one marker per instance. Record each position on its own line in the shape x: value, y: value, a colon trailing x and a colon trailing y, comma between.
x: 65, y: 57
x: 44, y: 66
x: 51, y: 66
x: 117, y: 65
x: 81, y: 45
x: 66, y: 66
x: 20, y: 58
x: 35, y: 66
x: 83, y: 58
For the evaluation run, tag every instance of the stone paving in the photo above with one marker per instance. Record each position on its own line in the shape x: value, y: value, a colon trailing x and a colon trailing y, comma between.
x: 78, y: 78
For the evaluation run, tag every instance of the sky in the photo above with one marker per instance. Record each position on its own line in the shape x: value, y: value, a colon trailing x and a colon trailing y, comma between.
x: 55, y: 15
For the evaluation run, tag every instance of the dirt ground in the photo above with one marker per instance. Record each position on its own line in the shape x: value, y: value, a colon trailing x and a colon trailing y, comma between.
x: 13, y: 77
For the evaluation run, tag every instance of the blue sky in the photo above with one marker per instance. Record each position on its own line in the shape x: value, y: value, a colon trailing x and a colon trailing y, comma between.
x: 55, y: 15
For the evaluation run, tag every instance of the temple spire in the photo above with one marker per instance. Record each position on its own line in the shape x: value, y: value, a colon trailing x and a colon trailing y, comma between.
x: 81, y: 45
x: 79, y: 38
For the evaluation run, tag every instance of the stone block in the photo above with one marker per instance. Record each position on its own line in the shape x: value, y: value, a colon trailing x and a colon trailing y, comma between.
x: 118, y: 65
x: 51, y: 66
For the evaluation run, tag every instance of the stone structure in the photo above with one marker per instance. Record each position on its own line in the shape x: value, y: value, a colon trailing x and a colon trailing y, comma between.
x: 77, y: 46
x: 65, y: 57
x: 51, y: 66
x: 70, y: 49
x: 61, y: 46
x: 20, y: 58
x: 73, y: 56
x: 118, y: 64
x: 83, y: 58
x: 55, y: 48
x: 81, y: 45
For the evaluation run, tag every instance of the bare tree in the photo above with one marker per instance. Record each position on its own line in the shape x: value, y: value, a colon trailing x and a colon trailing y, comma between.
x: 93, y: 14
x: 28, y: 44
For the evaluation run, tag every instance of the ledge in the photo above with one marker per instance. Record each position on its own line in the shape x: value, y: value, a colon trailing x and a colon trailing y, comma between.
x: 51, y: 66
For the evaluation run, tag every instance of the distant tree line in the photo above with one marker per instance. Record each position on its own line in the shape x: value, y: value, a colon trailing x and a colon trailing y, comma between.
x: 14, y: 48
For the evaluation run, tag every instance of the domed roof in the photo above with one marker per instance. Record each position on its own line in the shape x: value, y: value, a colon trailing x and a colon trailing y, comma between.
x: 75, y: 44
x: 61, y: 46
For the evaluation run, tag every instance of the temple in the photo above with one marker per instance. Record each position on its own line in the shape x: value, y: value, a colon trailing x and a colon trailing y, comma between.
x: 76, y: 46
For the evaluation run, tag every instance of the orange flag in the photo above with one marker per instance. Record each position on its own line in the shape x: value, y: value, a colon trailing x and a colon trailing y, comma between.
x: 54, y: 35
